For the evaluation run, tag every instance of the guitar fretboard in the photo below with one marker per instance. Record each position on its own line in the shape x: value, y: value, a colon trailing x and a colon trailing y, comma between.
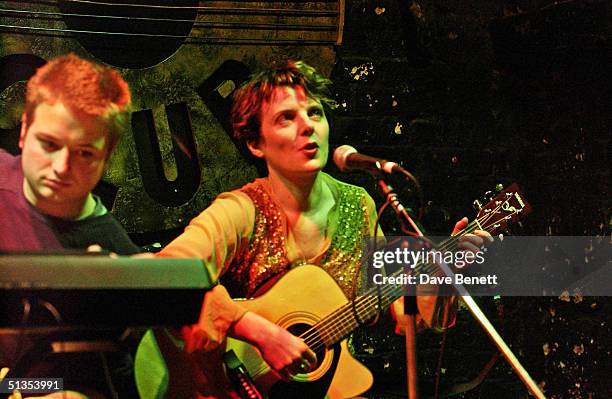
x: 336, y: 326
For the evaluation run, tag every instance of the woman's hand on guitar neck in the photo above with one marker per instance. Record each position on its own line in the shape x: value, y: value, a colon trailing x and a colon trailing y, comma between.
x: 284, y: 352
x: 471, y: 242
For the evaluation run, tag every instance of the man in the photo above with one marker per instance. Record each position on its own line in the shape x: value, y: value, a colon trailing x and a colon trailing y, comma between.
x: 71, y: 124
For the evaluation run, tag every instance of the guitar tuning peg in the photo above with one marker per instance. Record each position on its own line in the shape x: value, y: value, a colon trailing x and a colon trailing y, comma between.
x: 499, y: 187
x: 477, y: 205
x: 488, y: 196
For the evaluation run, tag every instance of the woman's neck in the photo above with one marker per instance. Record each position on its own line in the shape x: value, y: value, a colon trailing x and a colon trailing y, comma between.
x: 297, y: 195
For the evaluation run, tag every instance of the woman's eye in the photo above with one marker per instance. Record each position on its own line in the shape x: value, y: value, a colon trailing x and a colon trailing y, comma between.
x: 85, y: 154
x: 316, y: 112
x: 285, y: 117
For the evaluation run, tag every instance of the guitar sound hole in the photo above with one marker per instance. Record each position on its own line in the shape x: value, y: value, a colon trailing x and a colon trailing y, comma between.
x: 153, y: 34
x: 313, y: 338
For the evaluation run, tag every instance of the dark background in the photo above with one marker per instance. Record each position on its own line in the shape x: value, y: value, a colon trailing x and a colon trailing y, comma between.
x: 488, y: 92
x: 465, y: 94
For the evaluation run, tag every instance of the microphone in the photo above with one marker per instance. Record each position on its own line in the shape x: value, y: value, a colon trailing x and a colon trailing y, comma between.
x: 347, y: 158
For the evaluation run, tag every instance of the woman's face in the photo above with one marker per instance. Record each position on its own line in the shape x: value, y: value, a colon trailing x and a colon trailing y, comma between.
x: 294, y: 133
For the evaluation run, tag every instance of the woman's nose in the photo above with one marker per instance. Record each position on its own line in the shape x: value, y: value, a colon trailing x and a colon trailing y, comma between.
x: 307, y: 125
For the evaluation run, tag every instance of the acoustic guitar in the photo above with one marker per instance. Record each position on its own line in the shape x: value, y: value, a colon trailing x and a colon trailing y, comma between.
x: 309, y: 303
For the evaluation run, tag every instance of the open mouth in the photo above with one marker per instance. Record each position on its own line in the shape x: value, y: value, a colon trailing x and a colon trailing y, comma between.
x: 310, y: 146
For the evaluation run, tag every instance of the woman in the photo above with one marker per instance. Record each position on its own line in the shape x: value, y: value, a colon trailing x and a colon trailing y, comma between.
x: 297, y: 214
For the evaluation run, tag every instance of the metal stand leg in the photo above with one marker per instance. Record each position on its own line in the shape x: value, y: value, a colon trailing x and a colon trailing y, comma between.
x: 411, y: 368
x: 533, y: 388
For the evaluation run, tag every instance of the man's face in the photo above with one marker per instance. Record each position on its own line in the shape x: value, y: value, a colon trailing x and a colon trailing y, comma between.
x: 63, y: 158
x: 294, y: 133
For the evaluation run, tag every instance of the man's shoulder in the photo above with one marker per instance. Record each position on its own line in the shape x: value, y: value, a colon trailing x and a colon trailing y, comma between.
x: 9, y: 165
x: 8, y: 160
x: 11, y: 176
x: 6, y: 156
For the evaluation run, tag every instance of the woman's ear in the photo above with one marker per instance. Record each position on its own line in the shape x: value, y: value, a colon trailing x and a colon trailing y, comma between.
x: 253, y: 146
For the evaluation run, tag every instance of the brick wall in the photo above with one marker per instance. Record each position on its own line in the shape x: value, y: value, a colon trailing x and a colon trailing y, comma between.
x: 467, y: 95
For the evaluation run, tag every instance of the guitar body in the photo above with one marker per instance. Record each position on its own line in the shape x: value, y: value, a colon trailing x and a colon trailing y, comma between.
x: 297, y: 301
x: 302, y: 297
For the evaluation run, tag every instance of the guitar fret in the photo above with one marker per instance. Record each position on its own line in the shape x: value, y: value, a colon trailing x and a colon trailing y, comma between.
x: 348, y: 317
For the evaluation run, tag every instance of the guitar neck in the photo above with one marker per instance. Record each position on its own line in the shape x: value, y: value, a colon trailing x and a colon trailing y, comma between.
x: 360, y: 310
x: 506, y: 207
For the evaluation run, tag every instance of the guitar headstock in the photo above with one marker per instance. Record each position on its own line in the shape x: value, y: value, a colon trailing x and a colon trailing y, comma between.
x: 507, y: 207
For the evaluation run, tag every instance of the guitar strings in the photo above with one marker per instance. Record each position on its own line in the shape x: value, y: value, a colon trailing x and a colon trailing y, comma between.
x: 167, y: 7
x: 212, y: 10
x: 345, y: 323
x: 208, y: 9
x: 186, y: 39
x: 340, y: 320
x: 195, y: 24
x: 370, y: 300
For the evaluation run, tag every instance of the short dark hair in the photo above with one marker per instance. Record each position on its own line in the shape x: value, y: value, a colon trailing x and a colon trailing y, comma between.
x: 250, y: 97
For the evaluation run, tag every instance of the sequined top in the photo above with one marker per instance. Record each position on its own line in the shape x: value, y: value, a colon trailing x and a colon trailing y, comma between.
x: 265, y: 258
x: 243, y: 241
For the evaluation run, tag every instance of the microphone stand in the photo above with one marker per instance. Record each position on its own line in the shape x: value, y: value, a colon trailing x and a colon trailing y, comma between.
x: 405, y: 219
x: 410, y: 305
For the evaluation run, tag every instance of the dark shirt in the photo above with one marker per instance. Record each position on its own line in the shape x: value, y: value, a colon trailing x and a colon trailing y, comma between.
x: 23, y: 228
